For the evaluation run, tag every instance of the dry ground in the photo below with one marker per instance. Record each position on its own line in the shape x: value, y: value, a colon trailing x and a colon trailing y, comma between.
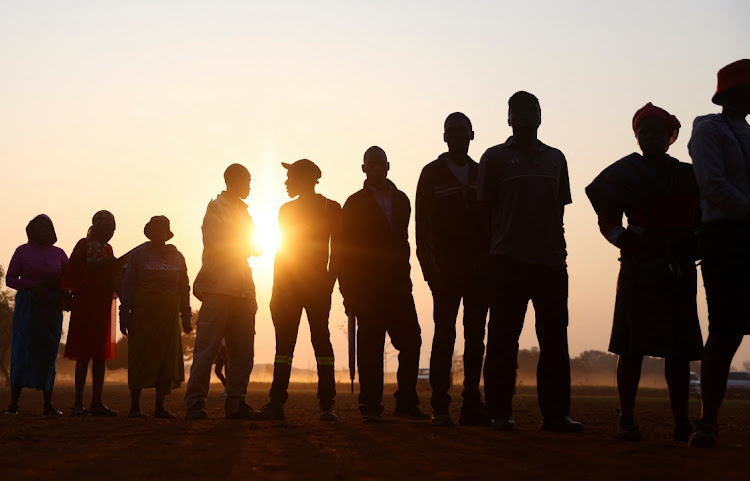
x: 35, y: 448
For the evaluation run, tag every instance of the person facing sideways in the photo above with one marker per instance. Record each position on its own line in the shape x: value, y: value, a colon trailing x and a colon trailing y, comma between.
x: 720, y: 149
x: 304, y: 279
x: 155, y: 294
x: 655, y: 310
x: 375, y: 282
x: 523, y: 185
x: 90, y: 276
x: 35, y: 272
x: 225, y: 286
x: 452, y: 250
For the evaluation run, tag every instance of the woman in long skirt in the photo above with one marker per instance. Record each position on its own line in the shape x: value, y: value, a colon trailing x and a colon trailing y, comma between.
x: 35, y: 272
x: 655, y: 309
x: 90, y: 277
x: 155, y: 294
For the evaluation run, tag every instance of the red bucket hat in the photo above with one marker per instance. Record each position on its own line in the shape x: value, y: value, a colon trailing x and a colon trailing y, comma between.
x: 731, y: 76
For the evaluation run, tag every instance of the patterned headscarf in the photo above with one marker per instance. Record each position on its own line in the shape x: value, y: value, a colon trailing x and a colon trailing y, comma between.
x: 650, y: 111
x: 98, y: 251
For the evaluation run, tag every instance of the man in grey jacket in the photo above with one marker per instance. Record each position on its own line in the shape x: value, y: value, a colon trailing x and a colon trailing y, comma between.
x: 225, y: 286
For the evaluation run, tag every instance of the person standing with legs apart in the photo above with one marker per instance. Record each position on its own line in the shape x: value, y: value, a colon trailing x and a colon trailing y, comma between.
x: 523, y: 185
x: 35, y: 272
x: 304, y: 279
x: 452, y: 250
x: 225, y: 286
x: 655, y: 311
x: 720, y: 149
x: 375, y: 281
x: 90, y: 276
x: 155, y: 294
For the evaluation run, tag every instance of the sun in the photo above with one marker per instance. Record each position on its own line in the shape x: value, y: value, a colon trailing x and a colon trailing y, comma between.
x: 266, y: 234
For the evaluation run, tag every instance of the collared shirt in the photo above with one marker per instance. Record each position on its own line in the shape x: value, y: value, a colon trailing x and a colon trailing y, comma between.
x: 384, y: 198
x: 720, y: 149
x: 227, y: 244
x: 526, y: 196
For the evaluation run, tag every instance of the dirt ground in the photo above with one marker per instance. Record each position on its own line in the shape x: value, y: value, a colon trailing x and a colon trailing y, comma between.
x: 35, y: 448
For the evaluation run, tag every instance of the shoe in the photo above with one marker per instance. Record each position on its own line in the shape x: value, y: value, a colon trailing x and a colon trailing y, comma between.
x: 12, y: 410
x: 162, y: 413
x: 136, y: 414
x: 196, y: 413
x: 52, y: 412
x: 244, y: 411
x: 272, y: 412
x: 628, y: 431
x: 705, y: 435
x: 474, y: 415
x: 441, y: 419
x: 412, y: 412
x: 562, y: 425
x: 102, y: 411
x: 328, y: 415
x: 372, y: 418
x: 80, y: 411
x: 682, y: 431
x: 505, y: 424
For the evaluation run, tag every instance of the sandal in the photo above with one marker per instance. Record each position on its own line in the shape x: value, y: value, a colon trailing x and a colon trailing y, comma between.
x: 102, y: 411
x: 80, y: 411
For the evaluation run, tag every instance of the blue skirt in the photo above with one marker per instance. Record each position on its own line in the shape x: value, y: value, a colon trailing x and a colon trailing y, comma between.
x: 36, y: 329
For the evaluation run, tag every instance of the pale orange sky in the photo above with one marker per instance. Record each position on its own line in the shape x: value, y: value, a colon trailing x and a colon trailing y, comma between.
x: 138, y: 109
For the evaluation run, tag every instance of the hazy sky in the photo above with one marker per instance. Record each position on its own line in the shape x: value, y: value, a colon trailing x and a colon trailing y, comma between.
x: 138, y: 108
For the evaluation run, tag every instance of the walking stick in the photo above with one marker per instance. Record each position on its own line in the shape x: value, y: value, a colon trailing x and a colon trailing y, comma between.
x: 352, y: 331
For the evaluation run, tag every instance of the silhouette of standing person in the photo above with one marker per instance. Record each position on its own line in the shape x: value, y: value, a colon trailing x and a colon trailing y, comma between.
x: 524, y: 186
x: 226, y: 288
x: 90, y: 276
x: 304, y: 279
x: 374, y: 278
x: 720, y: 149
x: 155, y: 294
x: 35, y: 272
x: 655, y: 312
x: 452, y: 250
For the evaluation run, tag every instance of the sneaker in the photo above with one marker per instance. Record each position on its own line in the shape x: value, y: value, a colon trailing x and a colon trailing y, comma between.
x: 102, y: 411
x: 196, y: 413
x: 79, y: 411
x: 505, y: 424
x: 136, y: 414
x: 371, y: 418
x: 271, y: 412
x: 682, y: 431
x: 12, y: 410
x: 49, y: 411
x: 243, y: 411
x: 412, y: 412
x: 442, y: 419
x: 474, y: 415
x: 705, y: 435
x: 628, y: 431
x: 561, y: 425
x: 162, y: 413
x: 328, y: 415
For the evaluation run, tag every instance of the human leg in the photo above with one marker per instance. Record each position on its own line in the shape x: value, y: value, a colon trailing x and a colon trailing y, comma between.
x: 628, y: 378
x: 445, y: 308
x: 135, y: 404
x: 406, y: 336
x: 97, y: 381
x: 240, y: 342
x: 677, y: 375
x: 82, y: 370
x: 285, y: 314
x: 318, y: 309
x: 49, y: 409
x: 15, y: 394
x: 370, y: 345
x: 475, y: 323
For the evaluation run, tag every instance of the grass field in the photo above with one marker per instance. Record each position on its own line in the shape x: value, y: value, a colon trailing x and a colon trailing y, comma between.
x: 36, y: 448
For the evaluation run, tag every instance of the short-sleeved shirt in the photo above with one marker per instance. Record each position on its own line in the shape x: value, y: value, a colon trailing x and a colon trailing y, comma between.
x: 526, y: 195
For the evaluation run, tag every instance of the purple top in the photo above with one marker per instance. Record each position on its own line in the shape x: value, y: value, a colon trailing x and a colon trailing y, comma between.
x: 32, y: 264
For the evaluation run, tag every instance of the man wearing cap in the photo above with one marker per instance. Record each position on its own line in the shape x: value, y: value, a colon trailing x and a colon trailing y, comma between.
x: 452, y: 250
x: 375, y: 281
x: 304, y: 279
x: 226, y: 288
x: 720, y: 149
x: 523, y: 185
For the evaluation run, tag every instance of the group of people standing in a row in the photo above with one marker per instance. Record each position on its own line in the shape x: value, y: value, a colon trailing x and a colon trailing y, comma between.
x: 490, y: 233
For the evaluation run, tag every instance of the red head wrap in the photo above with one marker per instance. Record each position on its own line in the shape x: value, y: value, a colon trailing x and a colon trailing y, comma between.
x: 650, y: 111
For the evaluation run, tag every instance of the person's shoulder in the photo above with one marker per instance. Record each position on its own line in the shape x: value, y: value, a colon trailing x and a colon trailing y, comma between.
x: 59, y: 251
x: 81, y: 244
x: 708, y: 124
x: 355, y: 198
x: 496, y: 151
x: 552, y: 152
x: 331, y: 204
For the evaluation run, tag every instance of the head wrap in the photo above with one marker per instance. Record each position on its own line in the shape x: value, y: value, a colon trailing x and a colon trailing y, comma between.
x: 650, y: 111
x: 97, y: 250
x: 32, y: 229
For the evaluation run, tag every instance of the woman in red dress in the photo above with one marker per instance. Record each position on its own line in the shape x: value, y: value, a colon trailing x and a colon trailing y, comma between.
x: 90, y: 276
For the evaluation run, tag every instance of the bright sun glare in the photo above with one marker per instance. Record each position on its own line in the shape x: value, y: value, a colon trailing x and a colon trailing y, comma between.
x: 266, y: 234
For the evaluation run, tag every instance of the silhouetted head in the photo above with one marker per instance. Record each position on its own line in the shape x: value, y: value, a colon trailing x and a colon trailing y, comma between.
x: 237, y: 179
x: 733, y: 87
x: 103, y: 226
x: 524, y: 112
x: 157, y: 230
x: 301, y: 176
x: 41, y: 231
x: 376, y: 165
x: 458, y: 134
x: 656, y: 129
